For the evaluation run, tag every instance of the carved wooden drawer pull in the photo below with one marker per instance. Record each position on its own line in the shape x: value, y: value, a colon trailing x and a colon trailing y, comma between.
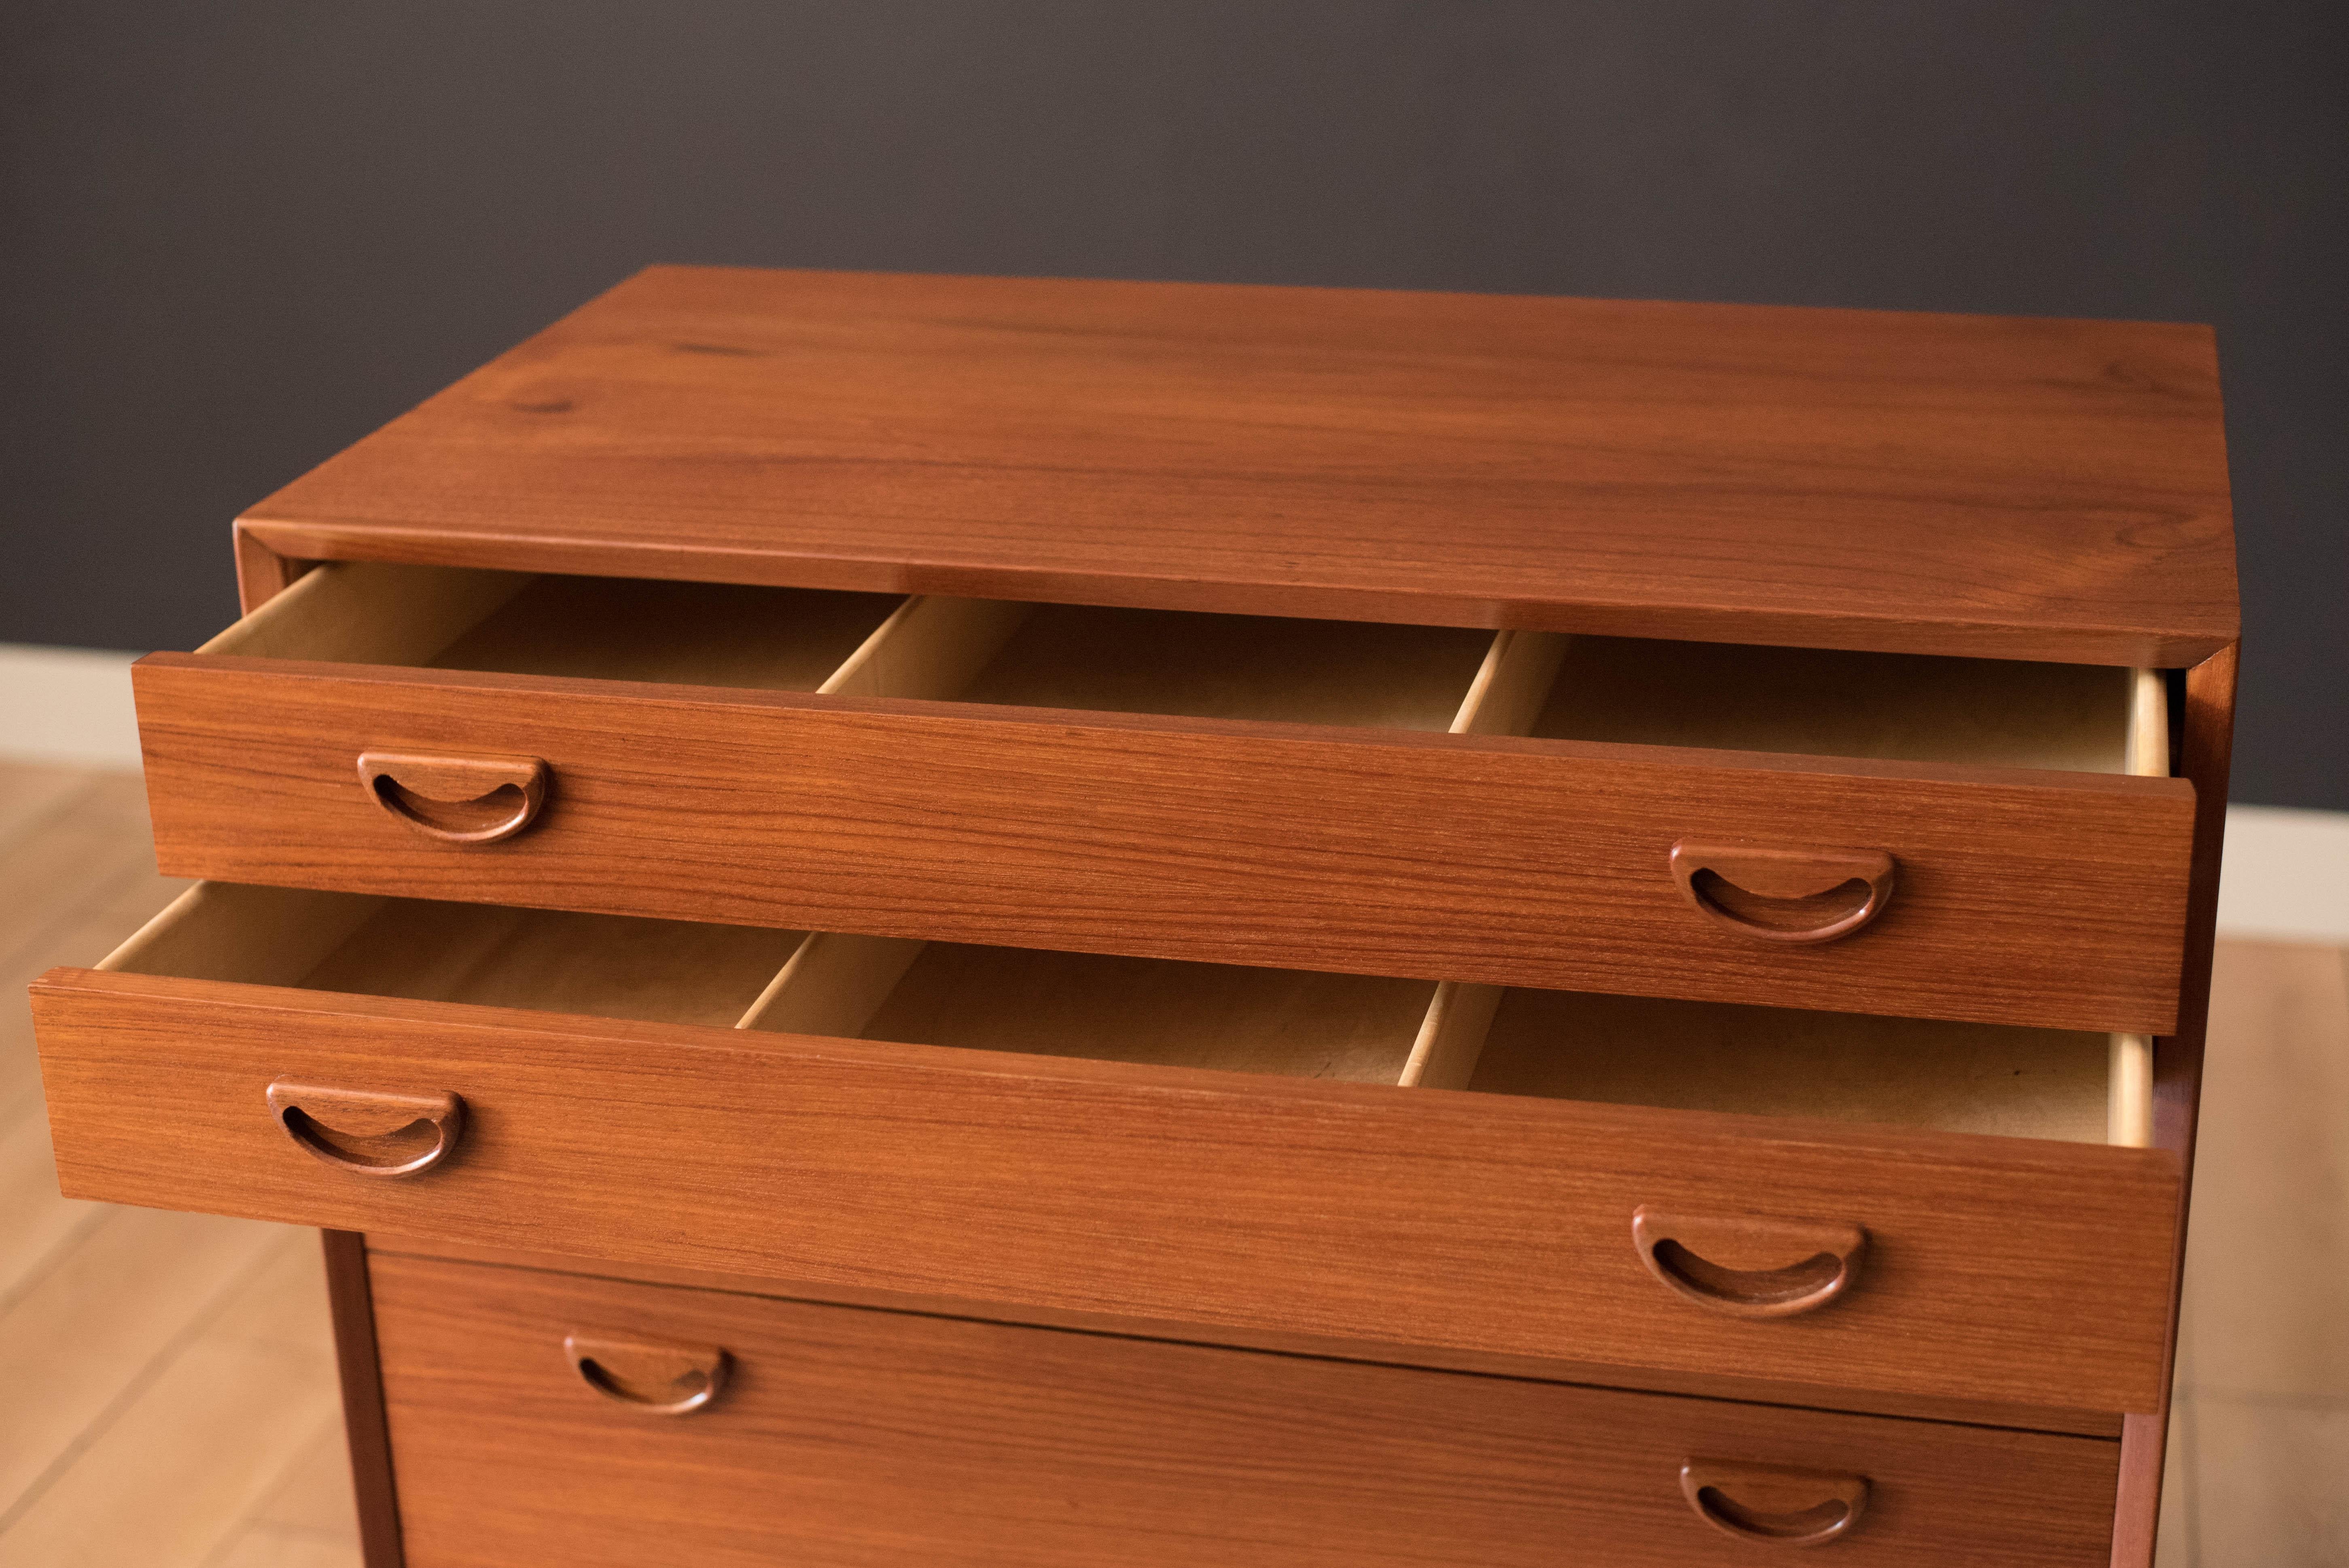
x: 1777, y: 1503
x: 1784, y: 895
x: 1822, y: 1259
x: 369, y: 1134
x: 456, y: 799
x: 656, y: 1377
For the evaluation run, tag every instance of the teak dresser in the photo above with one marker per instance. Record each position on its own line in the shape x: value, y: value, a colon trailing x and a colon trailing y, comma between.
x: 949, y: 922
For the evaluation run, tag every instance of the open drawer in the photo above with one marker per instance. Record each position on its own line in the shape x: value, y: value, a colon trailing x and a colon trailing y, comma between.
x: 1322, y: 795
x: 1061, y: 1133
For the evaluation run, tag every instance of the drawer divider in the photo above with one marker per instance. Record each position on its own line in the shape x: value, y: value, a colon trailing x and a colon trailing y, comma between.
x: 1452, y: 1037
x: 833, y: 985
x: 1508, y: 694
x: 1513, y: 684
x: 930, y: 648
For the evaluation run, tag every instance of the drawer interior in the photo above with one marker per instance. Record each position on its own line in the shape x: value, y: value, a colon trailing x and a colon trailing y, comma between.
x: 1360, y: 1028
x: 1826, y: 703
x: 1818, y: 702
x: 866, y: 645
x: 1354, y: 1027
x: 701, y: 634
x: 1772, y: 1061
x: 435, y: 617
x: 1963, y: 1077
x: 616, y: 966
x: 1783, y: 1061
x: 1232, y: 666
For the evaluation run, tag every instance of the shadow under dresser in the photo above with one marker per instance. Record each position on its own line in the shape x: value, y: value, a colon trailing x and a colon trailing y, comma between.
x: 946, y: 921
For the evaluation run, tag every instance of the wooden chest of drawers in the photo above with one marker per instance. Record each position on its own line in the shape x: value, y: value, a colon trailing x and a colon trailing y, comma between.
x: 958, y: 921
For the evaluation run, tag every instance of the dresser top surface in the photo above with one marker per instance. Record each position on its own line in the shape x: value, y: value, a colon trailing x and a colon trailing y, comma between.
x: 2004, y: 486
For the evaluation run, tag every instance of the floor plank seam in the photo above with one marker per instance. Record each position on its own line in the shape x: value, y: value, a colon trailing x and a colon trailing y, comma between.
x: 92, y: 903
x: 130, y: 1393
x: 2262, y: 1399
x: 49, y: 1261
x: 40, y: 825
x: 255, y: 1520
x: 246, y: 1528
x: 2189, y: 1511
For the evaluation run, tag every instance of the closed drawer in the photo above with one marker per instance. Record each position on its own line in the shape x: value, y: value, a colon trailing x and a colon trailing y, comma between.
x: 1379, y: 799
x: 840, y: 1436
x: 1063, y: 1133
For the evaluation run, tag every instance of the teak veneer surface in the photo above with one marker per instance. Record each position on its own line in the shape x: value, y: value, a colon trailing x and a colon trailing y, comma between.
x: 2204, y: 755
x: 2021, y: 487
x: 2108, y: 1425
x: 2041, y: 897
x: 2036, y: 1272
x: 855, y: 1437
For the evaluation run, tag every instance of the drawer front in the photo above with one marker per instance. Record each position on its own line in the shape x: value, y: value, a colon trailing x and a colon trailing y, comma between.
x: 840, y: 1436
x: 2047, y: 899
x: 2006, y: 1270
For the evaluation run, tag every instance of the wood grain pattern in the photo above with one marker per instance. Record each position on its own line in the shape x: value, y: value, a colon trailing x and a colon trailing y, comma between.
x: 2041, y: 897
x: 1785, y: 1505
x: 121, y: 1295
x: 2048, y: 491
x: 1547, y: 1369
x: 2205, y: 755
x: 456, y: 799
x: 351, y: 1296
x: 261, y: 572
x: 2001, y: 1269
x: 202, y: 1431
x: 847, y: 1436
x: 2051, y: 490
x: 1750, y: 1266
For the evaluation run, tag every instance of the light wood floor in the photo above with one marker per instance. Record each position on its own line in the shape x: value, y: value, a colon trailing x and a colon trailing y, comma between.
x: 166, y: 1381
x: 166, y: 1392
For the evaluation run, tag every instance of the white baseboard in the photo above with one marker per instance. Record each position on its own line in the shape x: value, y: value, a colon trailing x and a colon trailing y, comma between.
x: 66, y: 705
x: 2286, y: 877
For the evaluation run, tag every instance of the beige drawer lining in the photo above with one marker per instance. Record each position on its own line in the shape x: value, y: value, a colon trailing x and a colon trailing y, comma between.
x: 936, y: 648
x: 1615, y: 690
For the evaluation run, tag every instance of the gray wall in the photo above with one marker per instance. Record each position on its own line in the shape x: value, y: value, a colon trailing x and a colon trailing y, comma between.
x: 237, y: 234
